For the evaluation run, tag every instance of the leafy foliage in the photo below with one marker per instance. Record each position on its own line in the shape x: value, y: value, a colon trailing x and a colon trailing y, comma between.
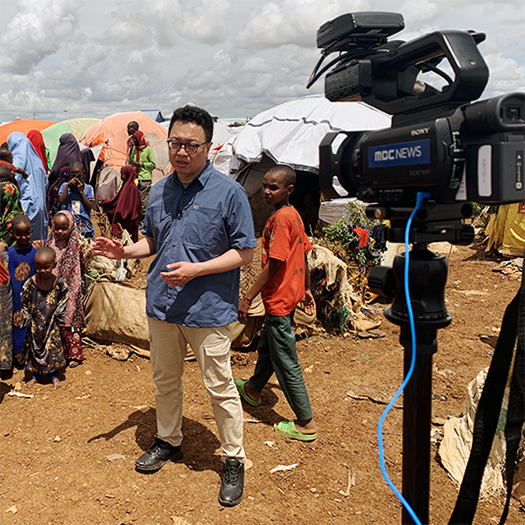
x: 340, y: 233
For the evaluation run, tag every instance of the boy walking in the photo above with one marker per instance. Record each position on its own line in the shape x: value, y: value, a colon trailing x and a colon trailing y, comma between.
x: 284, y: 283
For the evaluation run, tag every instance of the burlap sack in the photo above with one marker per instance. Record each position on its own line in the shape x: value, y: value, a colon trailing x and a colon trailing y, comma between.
x: 116, y: 312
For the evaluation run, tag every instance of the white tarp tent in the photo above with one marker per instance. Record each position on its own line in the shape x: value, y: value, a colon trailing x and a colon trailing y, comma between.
x: 291, y: 132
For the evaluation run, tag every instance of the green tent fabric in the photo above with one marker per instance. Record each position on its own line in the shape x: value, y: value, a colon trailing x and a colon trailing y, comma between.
x: 53, y: 133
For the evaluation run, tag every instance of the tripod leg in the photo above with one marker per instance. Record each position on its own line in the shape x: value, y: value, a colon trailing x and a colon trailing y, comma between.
x: 417, y: 414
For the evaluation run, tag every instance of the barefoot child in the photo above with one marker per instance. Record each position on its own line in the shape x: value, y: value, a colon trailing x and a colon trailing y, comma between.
x: 44, y: 299
x: 21, y: 268
x: 63, y: 238
x: 284, y: 282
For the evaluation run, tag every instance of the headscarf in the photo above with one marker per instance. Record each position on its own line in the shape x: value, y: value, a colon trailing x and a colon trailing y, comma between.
x: 68, y: 151
x: 53, y: 193
x: 124, y: 208
x: 37, y: 140
x: 143, y: 143
x: 69, y: 259
x: 33, y: 189
x: 87, y: 159
x: 9, y: 206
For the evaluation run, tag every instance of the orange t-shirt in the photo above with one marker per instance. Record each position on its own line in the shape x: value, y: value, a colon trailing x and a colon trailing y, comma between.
x: 284, y: 239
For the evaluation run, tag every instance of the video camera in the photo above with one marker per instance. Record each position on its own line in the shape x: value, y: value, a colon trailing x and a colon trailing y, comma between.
x: 440, y: 142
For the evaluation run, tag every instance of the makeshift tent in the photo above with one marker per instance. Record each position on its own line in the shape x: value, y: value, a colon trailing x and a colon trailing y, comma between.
x: 24, y: 126
x: 290, y: 134
x: 53, y: 133
x: 111, y: 134
x: 506, y: 230
x: 154, y: 114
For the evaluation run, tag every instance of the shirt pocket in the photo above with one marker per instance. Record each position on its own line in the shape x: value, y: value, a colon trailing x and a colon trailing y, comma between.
x: 201, y: 227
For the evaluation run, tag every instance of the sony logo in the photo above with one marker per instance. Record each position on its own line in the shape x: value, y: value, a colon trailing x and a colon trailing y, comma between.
x: 420, y: 131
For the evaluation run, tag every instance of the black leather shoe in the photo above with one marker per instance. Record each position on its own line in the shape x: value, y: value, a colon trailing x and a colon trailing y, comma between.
x: 159, y: 454
x: 232, y: 488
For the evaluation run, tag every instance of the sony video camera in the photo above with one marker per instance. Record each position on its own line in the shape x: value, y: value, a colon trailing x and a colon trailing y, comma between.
x: 440, y: 142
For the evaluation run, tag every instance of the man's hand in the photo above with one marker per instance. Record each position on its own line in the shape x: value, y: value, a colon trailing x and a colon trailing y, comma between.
x: 308, y: 303
x: 110, y: 248
x: 244, y: 306
x: 181, y: 273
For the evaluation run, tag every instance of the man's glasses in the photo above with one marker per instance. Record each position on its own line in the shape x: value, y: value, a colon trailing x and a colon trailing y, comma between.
x: 175, y: 146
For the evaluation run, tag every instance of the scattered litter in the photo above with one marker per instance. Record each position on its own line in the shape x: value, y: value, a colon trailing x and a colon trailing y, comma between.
x: 142, y: 408
x: 110, y: 496
x: 85, y: 396
x: 491, y: 340
x: 371, y: 334
x: 365, y: 357
x: 370, y: 398
x: 12, y: 509
x: 270, y: 443
x: 57, y: 439
x: 283, y: 468
x: 177, y: 520
x: 113, y: 457
x: 19, y: 394
x: 474, y: 292
x: 351, y: 483
x: 436, y: 436
x: 309, y: 370
x: 246, y: 420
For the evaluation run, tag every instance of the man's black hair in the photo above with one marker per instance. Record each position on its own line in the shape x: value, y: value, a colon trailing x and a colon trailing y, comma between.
x: 195, y: 115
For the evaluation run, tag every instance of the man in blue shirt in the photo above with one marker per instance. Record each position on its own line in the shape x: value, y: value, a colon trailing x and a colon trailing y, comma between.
x: 199, y: 225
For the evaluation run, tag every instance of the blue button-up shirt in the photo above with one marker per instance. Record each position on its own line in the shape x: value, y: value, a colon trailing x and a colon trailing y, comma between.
x: 196, y: 223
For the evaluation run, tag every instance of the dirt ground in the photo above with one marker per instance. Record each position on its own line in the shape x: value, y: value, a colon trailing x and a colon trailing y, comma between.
x: 68, y: 455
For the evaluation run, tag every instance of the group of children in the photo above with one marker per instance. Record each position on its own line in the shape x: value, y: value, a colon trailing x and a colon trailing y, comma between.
x: 41, y: 310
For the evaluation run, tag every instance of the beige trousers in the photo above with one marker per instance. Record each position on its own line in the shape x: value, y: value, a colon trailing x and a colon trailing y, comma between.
x: 212, y: 350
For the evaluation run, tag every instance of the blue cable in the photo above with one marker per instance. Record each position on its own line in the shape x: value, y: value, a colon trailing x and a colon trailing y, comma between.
x: 420, y: 197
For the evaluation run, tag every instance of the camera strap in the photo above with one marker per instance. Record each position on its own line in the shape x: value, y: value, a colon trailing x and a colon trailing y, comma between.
x: 488, y: 412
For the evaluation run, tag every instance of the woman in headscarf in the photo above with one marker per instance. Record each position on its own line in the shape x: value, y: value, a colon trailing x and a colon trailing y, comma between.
x: 37, y: 140
x: 33, y: 189
x: 87, y: 159
x: 142, y: 159
x: 68, y: 151
x: 123, y: 210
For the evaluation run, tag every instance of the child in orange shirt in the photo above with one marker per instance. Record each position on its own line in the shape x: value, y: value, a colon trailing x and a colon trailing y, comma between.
x: 284, y: 283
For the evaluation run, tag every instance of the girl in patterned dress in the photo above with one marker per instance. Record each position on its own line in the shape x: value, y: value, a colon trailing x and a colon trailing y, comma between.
x: 44, y: 300
x: 63, y: 238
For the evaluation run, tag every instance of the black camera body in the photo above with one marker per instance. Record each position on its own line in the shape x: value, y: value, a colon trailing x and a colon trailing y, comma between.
x: 440, y: 142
